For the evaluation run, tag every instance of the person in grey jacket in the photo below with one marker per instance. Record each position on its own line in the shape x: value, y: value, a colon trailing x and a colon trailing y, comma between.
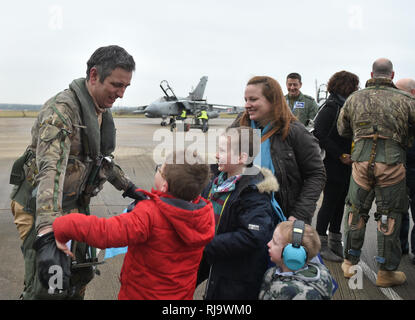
x: 287, y: 148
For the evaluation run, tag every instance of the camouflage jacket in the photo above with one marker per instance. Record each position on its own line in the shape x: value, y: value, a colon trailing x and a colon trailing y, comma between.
x: 380, y: 106
x: 311, y: 283
x: 68, y: 143
x: 303, y: 107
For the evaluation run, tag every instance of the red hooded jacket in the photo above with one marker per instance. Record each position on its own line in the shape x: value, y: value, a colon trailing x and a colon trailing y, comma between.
x: 165, y: 238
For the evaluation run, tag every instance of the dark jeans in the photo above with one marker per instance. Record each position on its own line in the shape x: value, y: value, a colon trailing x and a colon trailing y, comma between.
x: 332, y: 208
x: 410, y: 183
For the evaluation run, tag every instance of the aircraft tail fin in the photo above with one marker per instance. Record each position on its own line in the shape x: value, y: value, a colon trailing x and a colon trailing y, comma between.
x: 198, y: 92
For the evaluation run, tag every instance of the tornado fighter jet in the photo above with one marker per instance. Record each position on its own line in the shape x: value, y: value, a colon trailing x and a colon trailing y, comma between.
x: 171, y: 106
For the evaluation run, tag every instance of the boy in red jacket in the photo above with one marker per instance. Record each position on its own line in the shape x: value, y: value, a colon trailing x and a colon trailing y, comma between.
x: 165, y: 234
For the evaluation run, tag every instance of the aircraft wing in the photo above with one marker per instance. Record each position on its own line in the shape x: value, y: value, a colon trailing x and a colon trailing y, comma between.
x: 140, y: 110
x: 226, y: 108
x: 219, y: 107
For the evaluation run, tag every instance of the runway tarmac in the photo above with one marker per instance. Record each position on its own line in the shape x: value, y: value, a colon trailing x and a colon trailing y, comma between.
x: 136, y: 143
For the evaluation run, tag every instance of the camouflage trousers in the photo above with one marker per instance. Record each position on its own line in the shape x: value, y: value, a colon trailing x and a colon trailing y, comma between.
x: 391, y: 203
x: 33, y: 289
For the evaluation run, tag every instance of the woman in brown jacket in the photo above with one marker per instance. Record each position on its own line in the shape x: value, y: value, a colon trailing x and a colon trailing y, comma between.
x: 287, y: 149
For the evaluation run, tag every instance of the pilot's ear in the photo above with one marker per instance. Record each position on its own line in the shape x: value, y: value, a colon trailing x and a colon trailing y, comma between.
x: 93, y: 75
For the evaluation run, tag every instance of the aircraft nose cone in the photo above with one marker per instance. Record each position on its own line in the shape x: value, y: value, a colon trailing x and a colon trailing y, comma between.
x: 151, y: 111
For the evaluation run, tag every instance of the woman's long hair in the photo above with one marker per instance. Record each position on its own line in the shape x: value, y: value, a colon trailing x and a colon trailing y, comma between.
x: 281, y: 117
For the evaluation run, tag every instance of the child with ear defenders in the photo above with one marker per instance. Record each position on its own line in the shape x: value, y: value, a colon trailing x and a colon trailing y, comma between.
x: 297, y: 275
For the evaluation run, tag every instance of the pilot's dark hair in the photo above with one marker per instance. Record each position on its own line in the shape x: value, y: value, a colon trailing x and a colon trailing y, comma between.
x: 106, y: 59
x: 343, y: 83
x: 294, y: 75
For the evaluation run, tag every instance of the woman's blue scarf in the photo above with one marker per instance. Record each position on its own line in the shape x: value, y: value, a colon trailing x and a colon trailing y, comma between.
x: 266, y: 161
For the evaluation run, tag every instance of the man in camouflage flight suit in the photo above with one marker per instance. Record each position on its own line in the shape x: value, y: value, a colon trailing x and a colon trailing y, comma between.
x: 302, y: 106
x: 68, y: 161
x: 377, y: 118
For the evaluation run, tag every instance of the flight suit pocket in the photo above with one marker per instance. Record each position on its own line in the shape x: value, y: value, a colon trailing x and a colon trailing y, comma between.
x: 49, y: 133
x: 74, y: 179
x: 394, y: 153
x: 357, y: 150
x: 22, y: 219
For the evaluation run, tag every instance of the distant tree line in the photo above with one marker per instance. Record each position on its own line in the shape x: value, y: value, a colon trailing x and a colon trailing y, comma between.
x: 20, y: 107
x: 36, y: 107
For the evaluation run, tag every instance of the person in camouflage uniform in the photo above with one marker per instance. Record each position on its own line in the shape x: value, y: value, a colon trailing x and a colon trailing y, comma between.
x: 377, y: 118
x: 311, y: 282
x: 408, y: 85
x: 302, y: 106
x: 68, y: 161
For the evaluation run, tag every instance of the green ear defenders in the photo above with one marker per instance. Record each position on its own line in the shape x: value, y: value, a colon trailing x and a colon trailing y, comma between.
x: 294, y: 255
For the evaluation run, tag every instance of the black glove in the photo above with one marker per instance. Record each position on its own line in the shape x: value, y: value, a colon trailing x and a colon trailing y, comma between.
x: 131, y: 193
x: 48, y: 260
x: 132, y: 205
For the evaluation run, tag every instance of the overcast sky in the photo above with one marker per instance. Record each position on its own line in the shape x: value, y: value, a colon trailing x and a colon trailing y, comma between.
x: 45, y: 44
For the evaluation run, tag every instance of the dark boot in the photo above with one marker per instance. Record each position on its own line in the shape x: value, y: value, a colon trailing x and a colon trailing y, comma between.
x: 335, y: 243
x: 325, y: 251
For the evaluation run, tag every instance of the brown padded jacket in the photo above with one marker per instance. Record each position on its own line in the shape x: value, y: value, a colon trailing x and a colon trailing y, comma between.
x: 299, y: 170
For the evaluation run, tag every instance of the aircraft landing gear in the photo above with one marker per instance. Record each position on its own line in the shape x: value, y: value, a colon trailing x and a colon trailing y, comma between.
x: 174, y: 126
x: 200, y: 124
x: 164, y: 122
x: 205, y: 126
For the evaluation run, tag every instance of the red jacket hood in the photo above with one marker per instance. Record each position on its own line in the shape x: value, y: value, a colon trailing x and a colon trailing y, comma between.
x: 194, y: 231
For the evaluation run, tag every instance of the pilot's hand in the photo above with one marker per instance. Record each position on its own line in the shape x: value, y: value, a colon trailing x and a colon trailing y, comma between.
x: 133, y: 194
x: 64, y: 248
x: 61, y: 246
